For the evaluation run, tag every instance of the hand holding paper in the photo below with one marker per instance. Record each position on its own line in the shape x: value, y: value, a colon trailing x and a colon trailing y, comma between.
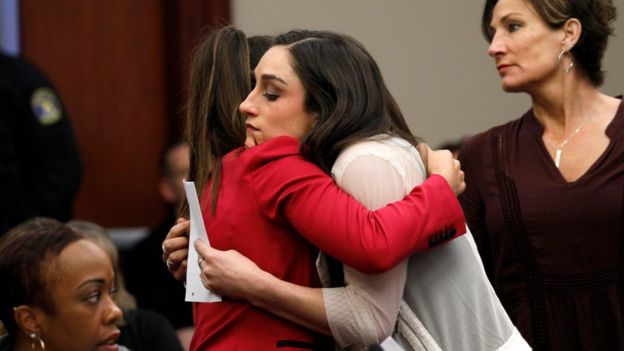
x: 195, y: 290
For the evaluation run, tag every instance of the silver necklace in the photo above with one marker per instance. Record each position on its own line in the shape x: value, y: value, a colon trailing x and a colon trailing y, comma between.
x: 559, y: 148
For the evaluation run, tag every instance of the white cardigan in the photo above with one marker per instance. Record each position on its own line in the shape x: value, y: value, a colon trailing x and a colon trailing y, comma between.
x: 442, y: 297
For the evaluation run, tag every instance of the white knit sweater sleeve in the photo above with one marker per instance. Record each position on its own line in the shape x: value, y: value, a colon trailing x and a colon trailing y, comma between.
x: 364, y: 312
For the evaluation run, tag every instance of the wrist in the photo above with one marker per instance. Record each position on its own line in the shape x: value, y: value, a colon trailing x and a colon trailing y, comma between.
x: 260, y: 288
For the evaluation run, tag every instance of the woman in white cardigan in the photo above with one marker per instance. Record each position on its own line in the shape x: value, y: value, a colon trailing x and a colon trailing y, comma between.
x: 442, y: 298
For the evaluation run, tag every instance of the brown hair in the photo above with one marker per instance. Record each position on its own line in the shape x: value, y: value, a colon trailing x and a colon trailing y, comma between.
x: 344, y: 86
x: 220, y: 79
x: 596, y: 18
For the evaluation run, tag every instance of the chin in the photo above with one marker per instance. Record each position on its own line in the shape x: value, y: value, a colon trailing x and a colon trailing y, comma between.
x: 511, y: 88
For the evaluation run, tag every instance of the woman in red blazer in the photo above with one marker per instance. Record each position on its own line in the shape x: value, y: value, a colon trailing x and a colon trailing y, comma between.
x: 268, y: 202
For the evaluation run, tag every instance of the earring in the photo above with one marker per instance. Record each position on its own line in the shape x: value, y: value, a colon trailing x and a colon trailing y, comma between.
x: 34, y: 337
x: 565, y: 70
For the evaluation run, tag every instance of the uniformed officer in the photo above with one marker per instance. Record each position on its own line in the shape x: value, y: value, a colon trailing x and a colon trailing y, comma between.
x: 40, y: 168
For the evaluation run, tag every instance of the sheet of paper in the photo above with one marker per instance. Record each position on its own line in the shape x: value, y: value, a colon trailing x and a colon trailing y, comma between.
x: 391, y: 345
x: 195, y: 290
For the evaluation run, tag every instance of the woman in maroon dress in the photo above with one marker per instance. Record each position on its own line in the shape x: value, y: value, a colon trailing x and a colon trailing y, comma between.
x: 545, y: 192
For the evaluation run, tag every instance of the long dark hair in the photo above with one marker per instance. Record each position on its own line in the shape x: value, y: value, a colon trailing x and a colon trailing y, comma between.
x: 345, y: 88
x: 220, y: 79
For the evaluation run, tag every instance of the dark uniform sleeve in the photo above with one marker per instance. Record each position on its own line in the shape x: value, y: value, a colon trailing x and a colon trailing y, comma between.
x: 40, y: 167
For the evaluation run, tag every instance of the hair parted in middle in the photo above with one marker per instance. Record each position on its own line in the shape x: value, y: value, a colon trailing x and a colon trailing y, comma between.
x: 345, y: 88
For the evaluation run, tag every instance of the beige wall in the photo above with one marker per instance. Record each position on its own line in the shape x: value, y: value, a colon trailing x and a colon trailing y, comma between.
x: 432, y: 55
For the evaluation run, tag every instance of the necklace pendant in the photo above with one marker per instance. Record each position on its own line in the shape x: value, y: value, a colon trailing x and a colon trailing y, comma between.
x: 557, y: 157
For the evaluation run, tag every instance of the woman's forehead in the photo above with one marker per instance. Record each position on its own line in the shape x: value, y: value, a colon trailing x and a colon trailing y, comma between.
x: 275, y: 61
x: 82, y: 261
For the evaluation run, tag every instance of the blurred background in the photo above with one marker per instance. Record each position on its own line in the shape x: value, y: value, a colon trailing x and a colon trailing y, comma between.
x: 120, y: 68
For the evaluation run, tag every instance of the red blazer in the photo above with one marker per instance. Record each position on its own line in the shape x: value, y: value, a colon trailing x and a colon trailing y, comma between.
x: 276, y: 208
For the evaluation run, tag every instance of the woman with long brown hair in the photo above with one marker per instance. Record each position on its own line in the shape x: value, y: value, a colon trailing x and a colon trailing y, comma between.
x: 268, y: 195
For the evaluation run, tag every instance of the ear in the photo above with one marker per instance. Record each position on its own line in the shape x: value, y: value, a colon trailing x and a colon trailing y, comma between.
x: 571, y: 32
x: 314, y: 118
x: 27, y: 319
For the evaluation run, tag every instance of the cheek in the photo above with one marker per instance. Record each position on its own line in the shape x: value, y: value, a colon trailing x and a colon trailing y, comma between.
x: 65, y: 324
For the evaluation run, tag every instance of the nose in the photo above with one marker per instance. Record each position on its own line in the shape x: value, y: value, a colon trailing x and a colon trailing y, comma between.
x: 247, y: 107
x: 497, y: 46
x: 113, y: 313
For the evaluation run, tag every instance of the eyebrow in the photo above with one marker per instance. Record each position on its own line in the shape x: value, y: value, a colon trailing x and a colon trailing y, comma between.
x: 504, y: 18
x: 92, y: 281
x: 272, y: 77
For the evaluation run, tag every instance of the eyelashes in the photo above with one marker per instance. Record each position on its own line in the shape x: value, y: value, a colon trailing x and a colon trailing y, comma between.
x: 270, y: 96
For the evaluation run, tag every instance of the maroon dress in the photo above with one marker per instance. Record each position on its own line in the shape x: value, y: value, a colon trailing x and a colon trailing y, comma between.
x: 554, y: 250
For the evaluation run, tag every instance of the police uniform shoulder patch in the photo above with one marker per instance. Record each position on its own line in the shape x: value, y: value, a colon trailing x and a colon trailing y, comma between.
x: 46, y: 106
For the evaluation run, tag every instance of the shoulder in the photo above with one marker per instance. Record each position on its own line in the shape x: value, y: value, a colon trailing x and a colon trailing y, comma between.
x: 395, y: 151
x: 277, y: 166
x: 32, y: 90
x: 273, y: 150
x: 22, y: 73
x: 480, y: 144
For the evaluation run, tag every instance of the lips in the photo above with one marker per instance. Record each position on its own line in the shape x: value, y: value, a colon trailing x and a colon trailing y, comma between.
x: 502, y: 67
x: 110, y: 343
x: 251, y: 126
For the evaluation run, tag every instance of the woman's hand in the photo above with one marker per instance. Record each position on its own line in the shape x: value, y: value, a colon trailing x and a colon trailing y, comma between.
x: 175, y: 249
x: 228, y: 273
x: 443, y: 163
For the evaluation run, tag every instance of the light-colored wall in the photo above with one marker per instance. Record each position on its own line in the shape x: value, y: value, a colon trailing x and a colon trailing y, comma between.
x: 431, y: 53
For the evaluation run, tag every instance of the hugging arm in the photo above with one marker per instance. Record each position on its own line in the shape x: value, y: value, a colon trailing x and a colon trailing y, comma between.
x: 363, y: 312
x: 369, y: 241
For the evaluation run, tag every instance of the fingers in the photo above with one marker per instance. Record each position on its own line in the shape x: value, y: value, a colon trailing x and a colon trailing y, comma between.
x: 181, y: 228
x: 443, y: 163
x: 203, y: 255
x: 176, y: 239
x: 175, y: 248
x: 440, y: 161
x: 179, y: 272
x: 203, y: 249
x: 423, y: 150
x: 460, y: 184
x: 176, y: 258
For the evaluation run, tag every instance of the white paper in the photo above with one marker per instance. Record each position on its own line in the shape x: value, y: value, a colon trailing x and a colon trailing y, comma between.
x: 391, y: 345
x: 195, y: 290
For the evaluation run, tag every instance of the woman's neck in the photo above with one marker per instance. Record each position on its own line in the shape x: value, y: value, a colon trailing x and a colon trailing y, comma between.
x: 562, y: 106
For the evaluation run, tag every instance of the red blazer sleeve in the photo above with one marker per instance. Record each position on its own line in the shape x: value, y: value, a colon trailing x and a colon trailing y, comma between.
x: 287, y: 186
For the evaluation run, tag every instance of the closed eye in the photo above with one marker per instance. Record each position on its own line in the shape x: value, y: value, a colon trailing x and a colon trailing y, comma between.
x: 270, y: 97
